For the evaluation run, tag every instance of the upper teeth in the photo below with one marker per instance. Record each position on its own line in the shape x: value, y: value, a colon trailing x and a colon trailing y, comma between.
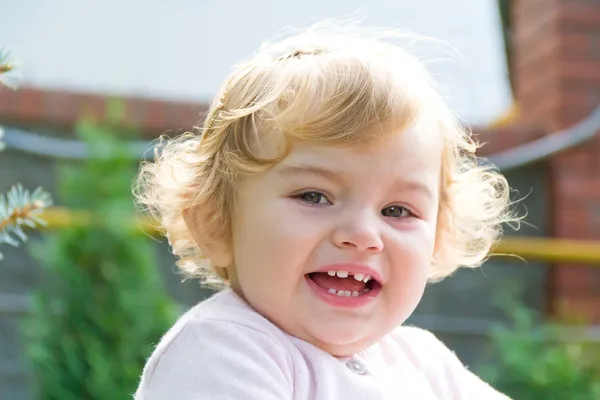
x: 345, y: 274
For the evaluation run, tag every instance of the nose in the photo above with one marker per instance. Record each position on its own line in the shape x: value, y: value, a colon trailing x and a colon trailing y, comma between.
x: 360, y: 234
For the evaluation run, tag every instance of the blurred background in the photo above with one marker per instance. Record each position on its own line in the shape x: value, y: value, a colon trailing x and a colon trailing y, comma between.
x: 85, y: 298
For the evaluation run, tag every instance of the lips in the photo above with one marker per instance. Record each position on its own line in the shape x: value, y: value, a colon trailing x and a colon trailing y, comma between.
x: 345, y: 285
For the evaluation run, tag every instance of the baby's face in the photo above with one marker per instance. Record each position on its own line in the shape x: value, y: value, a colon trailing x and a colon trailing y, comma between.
x: 309, y: 233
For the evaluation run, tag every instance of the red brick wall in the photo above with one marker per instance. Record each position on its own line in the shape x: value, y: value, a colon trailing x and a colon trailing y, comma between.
x: 557, y: 82
x: 494, y: 140
x: 60, y: 109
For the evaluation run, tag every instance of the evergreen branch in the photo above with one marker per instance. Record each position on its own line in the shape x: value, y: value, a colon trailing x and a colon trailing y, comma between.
x: 20, y: 209
x: 5, y: 65
x: 7, y: 71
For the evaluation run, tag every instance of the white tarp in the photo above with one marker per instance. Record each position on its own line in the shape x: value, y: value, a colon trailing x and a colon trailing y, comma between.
x: 182, y: 49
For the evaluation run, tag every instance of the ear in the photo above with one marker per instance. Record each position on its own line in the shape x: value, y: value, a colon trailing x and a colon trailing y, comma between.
x: 217, y: 252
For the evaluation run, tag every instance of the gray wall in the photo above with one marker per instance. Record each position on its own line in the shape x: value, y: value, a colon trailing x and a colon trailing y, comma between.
x: 459, y: 309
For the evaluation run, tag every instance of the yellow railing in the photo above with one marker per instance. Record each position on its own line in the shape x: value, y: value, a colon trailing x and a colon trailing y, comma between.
x: 551, y: 249
x: 529, y: 248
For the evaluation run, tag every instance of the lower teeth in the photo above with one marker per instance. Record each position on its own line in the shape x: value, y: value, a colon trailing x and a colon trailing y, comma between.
x: 347, y: 293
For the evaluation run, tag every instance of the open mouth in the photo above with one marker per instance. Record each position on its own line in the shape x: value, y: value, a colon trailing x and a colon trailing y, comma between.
x: 345, y: 284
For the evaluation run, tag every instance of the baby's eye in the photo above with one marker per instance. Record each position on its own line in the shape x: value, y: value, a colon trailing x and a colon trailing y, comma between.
x: 395, y: 212
x: 313, y: 198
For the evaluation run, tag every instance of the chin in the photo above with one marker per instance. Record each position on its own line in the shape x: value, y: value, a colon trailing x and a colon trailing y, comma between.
x: 343, y: 342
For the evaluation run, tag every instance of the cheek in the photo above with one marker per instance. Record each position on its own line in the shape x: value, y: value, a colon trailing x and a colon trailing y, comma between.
x: 275, y: 234
x: 412, y: 255
x: 284, y: 220
x: 411, y: 264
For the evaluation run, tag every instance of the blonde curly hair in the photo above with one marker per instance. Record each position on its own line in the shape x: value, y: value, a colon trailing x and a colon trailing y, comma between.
x: 331, y: 84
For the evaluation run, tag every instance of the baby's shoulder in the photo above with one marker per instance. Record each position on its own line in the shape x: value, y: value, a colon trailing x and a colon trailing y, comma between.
x: 423, y: 349
x: 210, y: 344
x: 416, y: 338
x: 209, y: 338
x: 223, y: 323
x: 440, y: 365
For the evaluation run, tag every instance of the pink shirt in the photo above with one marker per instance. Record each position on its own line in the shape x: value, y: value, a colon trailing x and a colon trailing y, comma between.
x: 223, y: 349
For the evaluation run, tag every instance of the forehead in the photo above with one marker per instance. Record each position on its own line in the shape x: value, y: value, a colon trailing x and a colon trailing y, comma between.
x: 414, y: 152
x: 421, y: 135
x: 420, y: 138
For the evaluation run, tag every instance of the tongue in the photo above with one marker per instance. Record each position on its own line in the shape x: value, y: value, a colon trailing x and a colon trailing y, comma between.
x: 333, y: 282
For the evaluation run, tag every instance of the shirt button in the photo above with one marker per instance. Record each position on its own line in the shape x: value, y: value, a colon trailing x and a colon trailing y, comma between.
x: 357, y: 366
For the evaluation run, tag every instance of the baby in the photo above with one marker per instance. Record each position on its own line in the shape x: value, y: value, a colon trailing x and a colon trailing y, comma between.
x: 329, y: 184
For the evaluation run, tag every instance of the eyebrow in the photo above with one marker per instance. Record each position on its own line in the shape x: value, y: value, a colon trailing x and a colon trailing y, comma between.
x: 407, y: 185
x: 415, y: 186
x: 311, y: 170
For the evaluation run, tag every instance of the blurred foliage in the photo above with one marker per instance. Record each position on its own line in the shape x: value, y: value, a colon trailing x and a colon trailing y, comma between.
x: 543, y: 360
x: 102, y: 306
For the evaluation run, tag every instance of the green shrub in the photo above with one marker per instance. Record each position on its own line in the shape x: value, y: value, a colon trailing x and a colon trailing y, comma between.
x: 543, y: 361
x: 101, y: 305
